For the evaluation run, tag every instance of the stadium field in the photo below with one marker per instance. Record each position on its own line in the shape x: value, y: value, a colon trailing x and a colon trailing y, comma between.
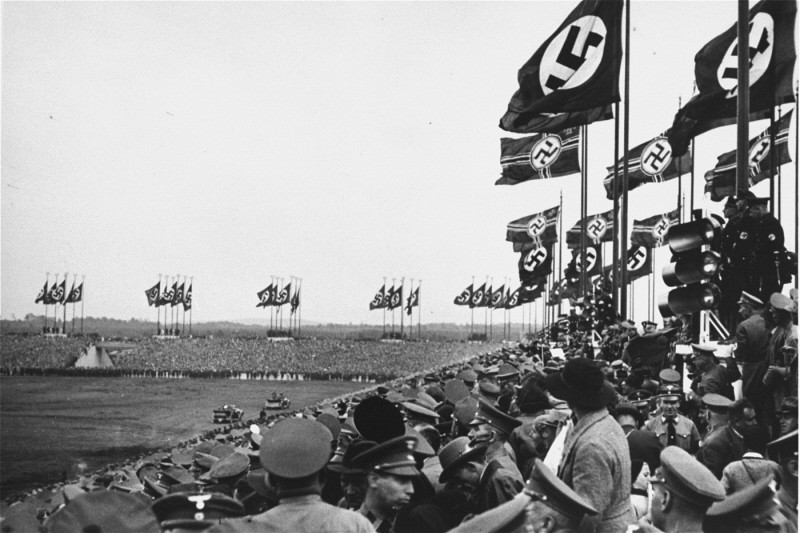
x: 54, y: 427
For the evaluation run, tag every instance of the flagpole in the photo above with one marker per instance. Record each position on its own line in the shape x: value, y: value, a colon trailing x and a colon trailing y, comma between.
x: 419, y: 311
x: 582, y: 278
x: 560, y: 236
x: 615, y: 246
x: 83, y: 297
x: 796, y: 176
x: 191, y: 309
x: 394, y: 281
x: 55, y: 305
x: 74, y: 280
x: 490, y: 311
x: 402, y: 286
x: 66, y: 275
x: 743, y: 97
x: 46, y: 297
x: 384, y: 307
x: 623, y: 244
x: 485, y: 312
x: 174, y: 307
x: 299, y: 309
x: 471, y: 312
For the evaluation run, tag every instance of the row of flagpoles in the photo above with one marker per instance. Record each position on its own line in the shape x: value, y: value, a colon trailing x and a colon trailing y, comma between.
x: 275, y: 298
x: 393, y: 299
x: 55, y: 295
x: 560, y: 94
x: 174, y: 297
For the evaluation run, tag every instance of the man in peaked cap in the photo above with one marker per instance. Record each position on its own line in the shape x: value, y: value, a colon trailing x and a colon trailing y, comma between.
x: 670, y: 426
x: 462, y: 466
x: 501, y: 479
x: 391, y: 469
x: 752, y: 348
x: 293, y: 453
x: 768, y: 244
x: 104, y: 511
x: 709, y: 377
x: 683, y: 490
x: 648, y: 326
x: 546, y: 505
x: 596, y: 454
x: 781, y: 376
x: 352, y: 478
x: 725, y: 444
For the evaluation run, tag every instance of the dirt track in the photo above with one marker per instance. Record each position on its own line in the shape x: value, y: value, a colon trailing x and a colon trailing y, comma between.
x: 54, y: 427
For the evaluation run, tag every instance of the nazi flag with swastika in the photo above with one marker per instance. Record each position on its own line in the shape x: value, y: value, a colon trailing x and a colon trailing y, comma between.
x: 721, y: 180
x: 650, y: 162
x: 652, y: 231
x: 539, y: 228
x: 574, y: 70
x: 547, y: 155
x: 535, y: 262
x: 772, y: 57
x: 599, y: 228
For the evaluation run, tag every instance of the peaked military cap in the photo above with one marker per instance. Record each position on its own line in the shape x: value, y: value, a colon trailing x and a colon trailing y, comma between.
x: 703, y: 349
x: 785, y: 446
x: 464, y: 410
x: 104, y: 511
x: 749, y: 502
x: 669, y: 391
x: 488, y: 414
x: 346, y: 466
x: 455, y: 390
x: 507, y: 371
x: 747, y: 298
x: 782, y: 302
x: 546, y: 487
x: 419, y: 413
x: 295, y: 448
x: 668, y: 375
x: 192, y: 510
x: 687, y: 477
x: 489, y: 389
x: 467, y: 376
x: 395, y: 457
x: 716, y: 402
x: 378, y: 419
x: 758, y: 201
x: 640, y: 397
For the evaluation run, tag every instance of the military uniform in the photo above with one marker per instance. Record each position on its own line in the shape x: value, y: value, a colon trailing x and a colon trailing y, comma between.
x: 687, y: 435
x: 768, y: 243
x: 750, y: 509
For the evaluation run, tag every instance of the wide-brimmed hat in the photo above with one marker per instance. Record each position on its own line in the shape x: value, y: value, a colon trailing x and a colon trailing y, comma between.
x: 582, y: 383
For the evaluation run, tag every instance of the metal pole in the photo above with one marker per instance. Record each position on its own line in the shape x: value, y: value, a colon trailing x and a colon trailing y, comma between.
x: 64, y: 328
x: 617, y: 225
x: 419, y: 311
x: 743, y: 96
x: 46, y: 297
x: 402, y: 286
x: 74, y: 281
x: 560, y: 236
x: 623, y: 245
x: 582, y: 280
x: 83, y: 297
x: 384, y: 306
x: 191, y: 309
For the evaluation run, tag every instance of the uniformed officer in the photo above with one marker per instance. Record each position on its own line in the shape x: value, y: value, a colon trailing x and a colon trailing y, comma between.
x: 671, y: 427
x: 767, y: 247
x: 546, y: 505
x: 735, y: 249
x: 391, y: 469
x: 501, y: 479
x: 784, y: 452
x: 709, y: 377
x: 682, y: 492
x: 294, y: 452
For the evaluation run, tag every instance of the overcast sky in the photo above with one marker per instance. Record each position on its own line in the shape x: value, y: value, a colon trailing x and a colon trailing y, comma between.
x: 339, y: 142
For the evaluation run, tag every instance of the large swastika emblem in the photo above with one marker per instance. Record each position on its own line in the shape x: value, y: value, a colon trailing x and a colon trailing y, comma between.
x: 477, y: 297
x: 656, y: 156
x: 637, y: 259
x: 759, y: 151
x: 573, y: 56
x: 535, y: 258
x: 536, y: 226
x: 545, y: 152
x: 590, y: 260
x: 660, y: 228
x: 762, y: 39
x: 596, y: 228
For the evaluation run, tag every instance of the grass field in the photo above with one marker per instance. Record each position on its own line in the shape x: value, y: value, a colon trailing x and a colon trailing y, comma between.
x: 60, y: 427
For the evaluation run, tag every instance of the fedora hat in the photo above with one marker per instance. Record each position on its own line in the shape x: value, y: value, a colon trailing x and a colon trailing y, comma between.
x: 582, y: 383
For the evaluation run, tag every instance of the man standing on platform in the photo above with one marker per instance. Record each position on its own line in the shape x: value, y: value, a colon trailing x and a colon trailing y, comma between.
x: 768, y: 245
x: 752, y: 351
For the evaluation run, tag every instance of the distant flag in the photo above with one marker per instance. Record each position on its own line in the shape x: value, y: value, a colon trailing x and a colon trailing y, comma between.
x: 295, y: 303
x: 721, y: 181
x: 42, y: 294
x: 599, y: 228
x: 513, y: 299
x: 283, y: 297
x: 640, y: 262
x: 496, y: 298
x: 536, y: 262
x: 476, y: 300
x: 531, y: 291
x: 58, y: 292
x: 652, y: 231
x: 539, y: 228
x: 547, y: 155
x: 177, y: 296
x: 573, y: 77
x: 379, y: 300
x: 76, y: 294
x: 265, y: 296
x: 650, y: 162
x: 465, y: 298
x: 772, y: 57
x: 395, y: 297
x: 560, y: 290
x: 187, y: 299
x: 487, y: 297
x: 413, y: 300
x: 166, y: 296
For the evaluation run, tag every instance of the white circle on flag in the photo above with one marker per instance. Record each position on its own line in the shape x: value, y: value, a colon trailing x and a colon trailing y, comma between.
x: 637, y: 259
x: 596, y: 228
x: 535, y: 258
x: 591, y: 260
x: 661, y: 228
x: 580, y: 46
x: 536, y: 226
x: 545, y: 152
x: 759, y: 151
x: 656, y: 156
x: 761, y: 40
